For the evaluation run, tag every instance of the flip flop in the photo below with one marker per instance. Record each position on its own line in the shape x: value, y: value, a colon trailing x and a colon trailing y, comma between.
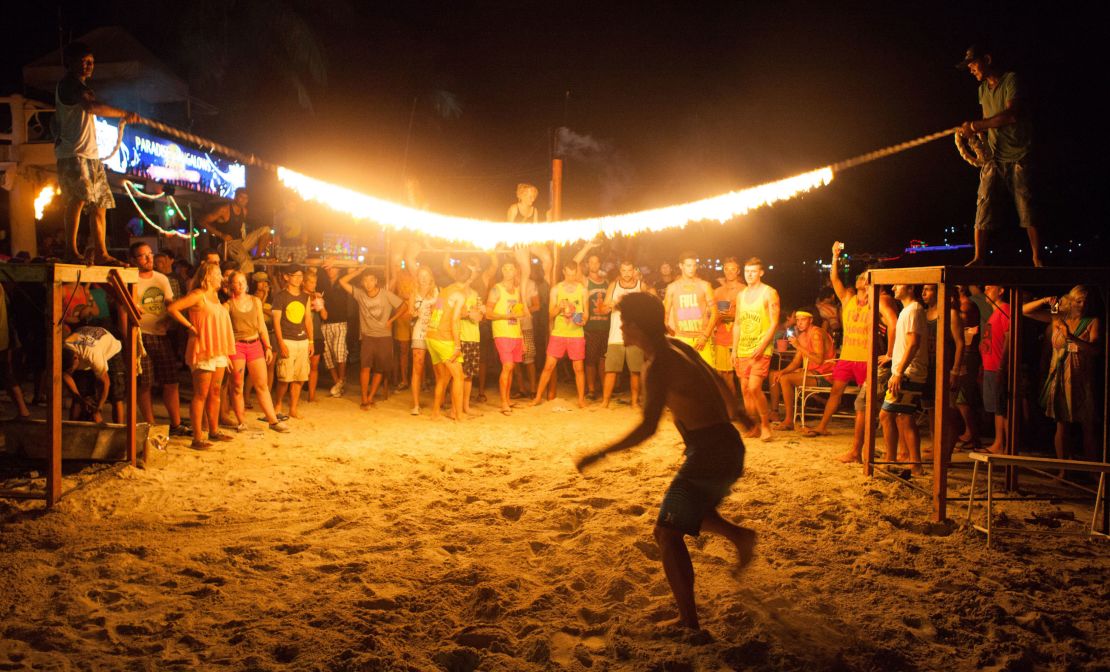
x: 780, y: 427
x: 811, y: 433
x: 219, y: 437
x: 506, y: 411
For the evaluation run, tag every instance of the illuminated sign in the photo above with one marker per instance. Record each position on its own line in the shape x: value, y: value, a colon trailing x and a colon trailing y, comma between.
x: 145, y: 155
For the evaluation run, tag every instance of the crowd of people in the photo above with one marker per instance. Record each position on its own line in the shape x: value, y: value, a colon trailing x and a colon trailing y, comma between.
x: 248, y: 339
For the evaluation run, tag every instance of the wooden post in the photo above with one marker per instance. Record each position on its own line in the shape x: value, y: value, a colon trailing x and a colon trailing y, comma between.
x: 54, y: 366
x: 1013, y: 385
x: 940, y: 409
x: 130, y: 343
x: 872, y: 379
x: 556, y: 213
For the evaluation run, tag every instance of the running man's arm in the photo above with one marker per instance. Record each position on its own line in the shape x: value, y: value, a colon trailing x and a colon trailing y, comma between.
x: 655, y: 395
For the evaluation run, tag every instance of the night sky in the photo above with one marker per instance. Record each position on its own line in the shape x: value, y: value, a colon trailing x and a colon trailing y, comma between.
x: 685, y: 100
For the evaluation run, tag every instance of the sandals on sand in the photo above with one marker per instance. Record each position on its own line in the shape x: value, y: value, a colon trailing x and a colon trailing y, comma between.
x: 811, y: 433
x: 212, y: 436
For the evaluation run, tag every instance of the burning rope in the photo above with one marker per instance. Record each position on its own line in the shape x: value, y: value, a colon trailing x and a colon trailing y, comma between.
x: 488, y: 234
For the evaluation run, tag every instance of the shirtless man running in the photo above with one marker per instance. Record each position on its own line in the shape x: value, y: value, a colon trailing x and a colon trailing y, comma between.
x: 676, y: 377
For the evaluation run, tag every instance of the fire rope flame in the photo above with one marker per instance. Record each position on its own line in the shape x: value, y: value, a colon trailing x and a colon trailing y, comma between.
x: 486, y: 234
x: 43, y: 199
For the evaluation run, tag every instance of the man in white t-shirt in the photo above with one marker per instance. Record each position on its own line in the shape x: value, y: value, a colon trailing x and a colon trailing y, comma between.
x: 617, y: 354
x: 160, y: 362
x: 91, y: 349
x: 909, y: 368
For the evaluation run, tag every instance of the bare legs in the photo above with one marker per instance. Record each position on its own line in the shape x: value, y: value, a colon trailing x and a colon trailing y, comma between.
x: 756, y: 405
x: 505, y: 385
x: 256, y: 371
x: 417, y: 377
x: 611, y: 381
x: 368, y: 386
x: 901, y: 425
x: 831, y: 405
x: 680, y: 570
x: 448, y: 372
x: 313, y: 376
x: 294, y: 388
x: 206, y: 400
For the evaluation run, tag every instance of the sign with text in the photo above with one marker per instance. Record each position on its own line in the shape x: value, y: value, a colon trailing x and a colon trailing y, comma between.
x: 145, y: 155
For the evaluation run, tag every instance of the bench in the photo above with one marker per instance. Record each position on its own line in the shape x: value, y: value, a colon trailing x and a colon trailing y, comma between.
x: 992, y: 460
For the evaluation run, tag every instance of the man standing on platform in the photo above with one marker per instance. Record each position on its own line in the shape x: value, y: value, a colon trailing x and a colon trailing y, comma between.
x: 757, y: 318
x: 81, y: 175
x: 1009, y: 134
x: 152, y: 293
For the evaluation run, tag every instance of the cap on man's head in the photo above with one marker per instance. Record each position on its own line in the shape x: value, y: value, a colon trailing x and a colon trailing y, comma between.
x: 260, y: 276
x: 975, y: 52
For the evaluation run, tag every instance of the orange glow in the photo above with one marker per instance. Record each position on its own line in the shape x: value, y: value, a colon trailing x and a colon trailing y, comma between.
x: 486, y: 234
x: 43, y: 199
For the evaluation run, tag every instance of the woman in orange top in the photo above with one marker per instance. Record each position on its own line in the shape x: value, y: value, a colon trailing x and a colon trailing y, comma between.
x: 211, y: 345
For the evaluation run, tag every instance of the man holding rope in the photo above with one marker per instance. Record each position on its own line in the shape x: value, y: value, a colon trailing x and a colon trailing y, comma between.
x: 81, y: 174
x: 1009, y: 135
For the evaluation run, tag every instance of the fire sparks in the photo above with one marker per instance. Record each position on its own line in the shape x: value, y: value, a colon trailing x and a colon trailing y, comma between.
x: 486, y: 234
x: 43, y: 199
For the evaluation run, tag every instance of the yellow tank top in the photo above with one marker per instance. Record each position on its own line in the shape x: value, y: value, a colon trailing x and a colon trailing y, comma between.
x: 565, y: 326
x: 435, y: 317
x: 468, y: 329
x: 857, y: 323
x: 506, y: 304
x: 753, y: 322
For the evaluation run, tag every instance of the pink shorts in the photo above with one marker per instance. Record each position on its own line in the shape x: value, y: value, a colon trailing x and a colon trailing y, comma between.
x: 510, y: 349
x: 852, y: 372
x: 572, y: 346
x: 249, y: 350
x: 748, y: 367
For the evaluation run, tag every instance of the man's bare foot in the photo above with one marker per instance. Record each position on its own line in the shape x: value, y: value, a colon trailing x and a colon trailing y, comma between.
x: 535, y: 402
x: 995, y: 449
x: 366, y: 406
x: 765, y: 434
x: 850, y: 457
x: 105, y: 259
x: 471, y: 413
x: 1037, y: 262
x: 581, y: 403
x: 295, y: 414
x: 783, y: 426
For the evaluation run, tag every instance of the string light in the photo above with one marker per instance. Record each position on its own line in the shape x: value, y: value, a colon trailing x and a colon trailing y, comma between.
x: 134, y: 190
x: 486, y: 234
x: 46, y: 195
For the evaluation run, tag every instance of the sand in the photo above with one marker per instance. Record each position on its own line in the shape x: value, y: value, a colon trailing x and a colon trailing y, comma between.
x: 378, y: 541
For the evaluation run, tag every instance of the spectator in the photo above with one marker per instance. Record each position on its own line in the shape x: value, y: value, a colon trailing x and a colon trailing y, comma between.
x: 378, y: 308
x: 319, y: 310
x: 993, y: 346
x: 152, y: 294
x: 968, y: 399
x: 813, y: 354
x: 7, y: 379
x: 293, y: 331
x: 208, y: 352
x: 909, y: 369
x: 93, y: 349
x: 252, y: 353
x: 335, y: 328
x: 1068, y: 395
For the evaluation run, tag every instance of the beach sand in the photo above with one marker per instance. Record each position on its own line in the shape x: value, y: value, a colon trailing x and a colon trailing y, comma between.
x: 373, y: 540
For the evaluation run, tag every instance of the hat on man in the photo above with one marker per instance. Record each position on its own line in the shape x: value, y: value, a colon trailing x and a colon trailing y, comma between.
x: 975, y: 52
x: 260, y: 276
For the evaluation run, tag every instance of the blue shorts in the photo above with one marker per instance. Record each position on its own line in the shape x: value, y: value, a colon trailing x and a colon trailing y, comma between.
x: 714, y: 460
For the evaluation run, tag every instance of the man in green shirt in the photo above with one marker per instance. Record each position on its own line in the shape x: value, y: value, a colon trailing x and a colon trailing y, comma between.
x: 1009, y: 136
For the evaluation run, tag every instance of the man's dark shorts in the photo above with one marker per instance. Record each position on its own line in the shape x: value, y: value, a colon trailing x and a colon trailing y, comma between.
x: 376, y: 353
x: 163, y: 360
x: 714, y: 460
x: 994, y: 392
x: 596, y: 344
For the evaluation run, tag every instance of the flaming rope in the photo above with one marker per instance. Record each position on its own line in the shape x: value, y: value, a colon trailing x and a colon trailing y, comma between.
x: 486, y: 234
